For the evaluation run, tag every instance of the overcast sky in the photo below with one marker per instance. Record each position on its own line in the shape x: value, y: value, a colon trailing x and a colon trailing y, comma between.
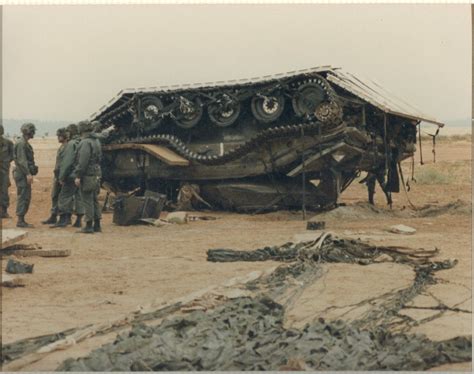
x: 64, y: 62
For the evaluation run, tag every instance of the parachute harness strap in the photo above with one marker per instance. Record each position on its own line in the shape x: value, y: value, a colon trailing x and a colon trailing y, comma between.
x: 404, y: 187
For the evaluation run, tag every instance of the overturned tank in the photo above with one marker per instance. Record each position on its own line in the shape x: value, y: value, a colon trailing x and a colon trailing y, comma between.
x: 276, y: 142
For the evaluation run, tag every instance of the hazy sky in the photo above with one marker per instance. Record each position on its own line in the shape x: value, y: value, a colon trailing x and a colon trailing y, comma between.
x: 64, y: 62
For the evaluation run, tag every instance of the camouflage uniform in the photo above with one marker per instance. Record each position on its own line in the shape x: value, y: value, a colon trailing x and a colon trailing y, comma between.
x: 88, y: 157
x: 6, y: 154
x: 70, y: 194
x: 25, y: 167
x: 56, y: 186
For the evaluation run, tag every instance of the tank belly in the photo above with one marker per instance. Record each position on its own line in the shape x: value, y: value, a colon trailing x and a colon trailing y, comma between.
x: 252, y: 145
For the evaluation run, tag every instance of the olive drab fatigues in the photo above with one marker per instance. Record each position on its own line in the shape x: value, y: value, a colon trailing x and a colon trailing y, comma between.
x: 6, y: 154
x: 70, y: 196
x: 55, y: 191
x: 89, y: 155
x: 25, y: 165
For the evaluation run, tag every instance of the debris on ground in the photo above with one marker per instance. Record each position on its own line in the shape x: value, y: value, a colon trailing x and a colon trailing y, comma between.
x: 129, y: 210
x: 12, y: 282
x: 201, y: 218
x: 315, y: 225
x: 12, y: 236
x: 24, y: 247
x: 434, y: 210
x: 155, y: 221
x: 17, y: 267
x: 38, y: 253
x: 325, y: 248
x: 189, y: 197
x: 248, y: 334
x: 402, y: 229
x: 177, y: 217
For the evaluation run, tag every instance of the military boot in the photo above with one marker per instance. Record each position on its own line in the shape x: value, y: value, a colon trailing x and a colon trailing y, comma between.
x: 78, y: 222
x: 62, y: 221
x: 5, y: 214
x: 88, y: 229
x: 22, y: 223
x: 97, y: 227
x: 51, y: 220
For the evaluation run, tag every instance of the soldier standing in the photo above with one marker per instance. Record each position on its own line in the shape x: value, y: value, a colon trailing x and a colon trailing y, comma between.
x: 6, y: 149
x: 87, y: 176
x: 24, y: 172
x: 56, y: 188
x: 69, y: 194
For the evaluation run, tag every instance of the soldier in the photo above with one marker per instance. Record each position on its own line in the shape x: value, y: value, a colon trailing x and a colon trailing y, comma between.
x: 24, y: 172
x: 6, y: 149
x: 69, y: 195
x: 87, y: 176
x: 78, y: 207
x: 370, y: 180
x: 56, y: 188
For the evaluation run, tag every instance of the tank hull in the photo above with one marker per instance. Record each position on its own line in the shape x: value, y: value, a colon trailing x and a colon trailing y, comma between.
x: 278, y: 143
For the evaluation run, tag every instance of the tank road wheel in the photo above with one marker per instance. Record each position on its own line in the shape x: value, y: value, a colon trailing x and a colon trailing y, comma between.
x: 328, y: 113
x: 225, y: 110
x: 151, y: 107
x: 307, y: 98
x: 267, y: 108
x: 189, y: 112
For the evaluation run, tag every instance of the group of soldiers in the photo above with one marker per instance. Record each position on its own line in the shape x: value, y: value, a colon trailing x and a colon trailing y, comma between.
x: 76, y: 180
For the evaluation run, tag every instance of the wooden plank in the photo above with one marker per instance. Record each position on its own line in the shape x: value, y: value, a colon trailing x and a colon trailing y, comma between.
x: 38, y: 253
x: 12, y: 236
x: 12, y: 281
x: 297, y: 170
x: 164, y: 154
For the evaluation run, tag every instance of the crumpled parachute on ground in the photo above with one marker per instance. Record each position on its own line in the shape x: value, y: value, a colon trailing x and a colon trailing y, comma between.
x: 248, y: 334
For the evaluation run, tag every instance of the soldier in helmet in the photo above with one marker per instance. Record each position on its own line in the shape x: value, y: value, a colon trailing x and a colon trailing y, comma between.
x: 6, y: 153
x: 87, y: 176
x: 70, y: 194
x: 24, y: 172
x: 56, y: 188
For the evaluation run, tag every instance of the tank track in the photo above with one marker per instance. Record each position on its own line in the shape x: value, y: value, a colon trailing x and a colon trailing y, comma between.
x: 288, y: 86
x: 173, y: 142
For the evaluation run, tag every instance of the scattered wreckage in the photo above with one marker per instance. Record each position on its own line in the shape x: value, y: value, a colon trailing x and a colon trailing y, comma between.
x: 242, y: 326
x: 277, y: 142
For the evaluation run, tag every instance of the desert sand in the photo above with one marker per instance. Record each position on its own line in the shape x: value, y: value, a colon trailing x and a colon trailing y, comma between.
x: 111, y: 274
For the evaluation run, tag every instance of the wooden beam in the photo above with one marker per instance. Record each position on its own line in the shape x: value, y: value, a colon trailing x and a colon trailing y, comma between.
x: 38, y: 253
x: 313, y: 158
x: 12, y: 236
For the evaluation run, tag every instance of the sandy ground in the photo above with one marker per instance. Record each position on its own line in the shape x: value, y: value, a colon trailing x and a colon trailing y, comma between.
x: 111, y: 274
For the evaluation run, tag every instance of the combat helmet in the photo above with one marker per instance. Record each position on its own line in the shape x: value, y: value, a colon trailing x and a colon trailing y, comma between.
x: 61, y: 132
x: 96, y: 126
x: 72, y: 130
x: 28, y: 129
x: 85, y: 127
